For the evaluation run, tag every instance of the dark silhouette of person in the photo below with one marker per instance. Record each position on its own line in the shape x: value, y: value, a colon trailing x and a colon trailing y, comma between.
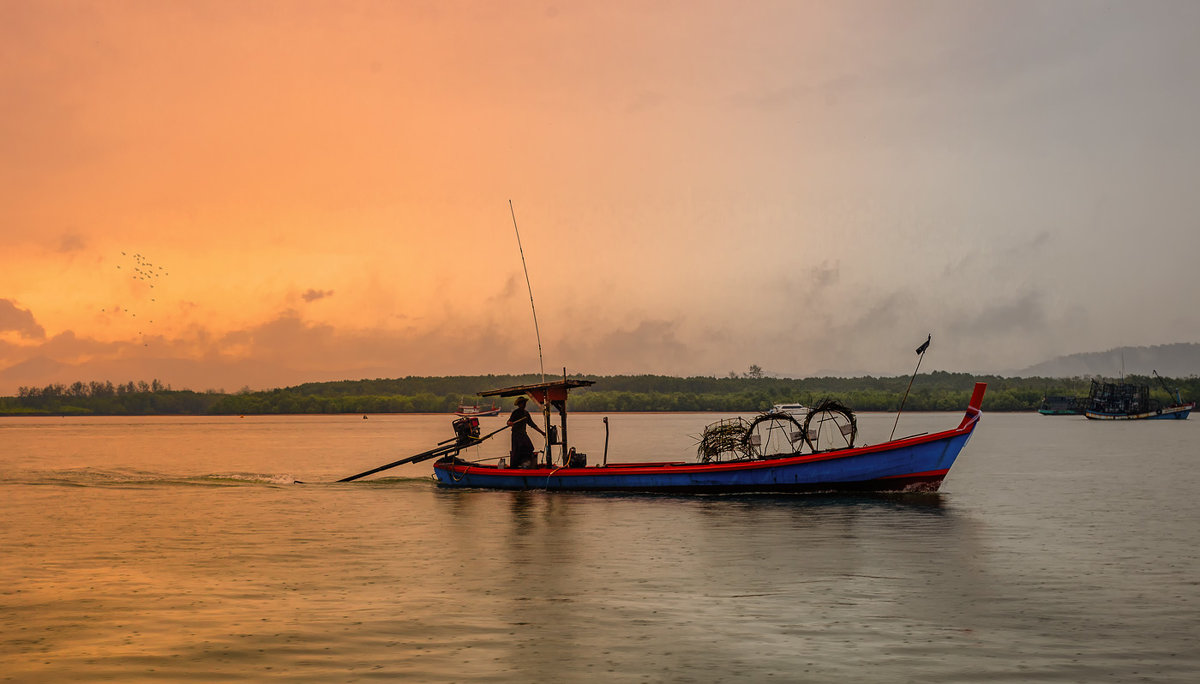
x: 522, y: 447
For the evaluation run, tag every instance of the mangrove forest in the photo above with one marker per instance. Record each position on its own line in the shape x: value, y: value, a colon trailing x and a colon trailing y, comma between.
x: 936, y: 391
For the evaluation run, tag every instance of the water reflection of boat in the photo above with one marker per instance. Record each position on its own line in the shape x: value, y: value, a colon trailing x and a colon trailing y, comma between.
x: 1127, y: 401
x: 917, y: 463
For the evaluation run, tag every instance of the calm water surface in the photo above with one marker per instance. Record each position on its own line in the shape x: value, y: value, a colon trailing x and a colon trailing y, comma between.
x: 152, y: 549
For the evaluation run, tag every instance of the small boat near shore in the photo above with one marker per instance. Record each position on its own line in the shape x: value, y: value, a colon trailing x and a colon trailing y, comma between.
x: 793, y: 409
x: 476, y: 411
x: 1064, y: 405
x: 911, y: 464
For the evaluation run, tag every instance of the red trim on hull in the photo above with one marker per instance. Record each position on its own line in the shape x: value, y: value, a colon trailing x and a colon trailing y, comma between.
x: 918, y: 482
x: 930, y: 473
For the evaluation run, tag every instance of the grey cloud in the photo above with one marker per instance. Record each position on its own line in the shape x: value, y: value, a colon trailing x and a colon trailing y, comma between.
x: 68, y: 345
x: 826, y: 274
x: 890, y: 310
x: 290, y: 341
x: 285, y: 350
x: 19, y: 320
x: 650, y: 345
x: 655, y: 339
x: 312, y: 295
x: 803, y: 284
x: 1021, y: 255
x: 512, y: 287
x: 71, y: 242
x: 1026, y: 313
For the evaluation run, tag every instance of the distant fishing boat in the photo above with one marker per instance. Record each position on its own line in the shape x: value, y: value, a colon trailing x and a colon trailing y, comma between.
x: 1127, y: 401
x: 1063, y: 405
x: 793, y: 409
x: 476, y: 411
x: 917, y: 463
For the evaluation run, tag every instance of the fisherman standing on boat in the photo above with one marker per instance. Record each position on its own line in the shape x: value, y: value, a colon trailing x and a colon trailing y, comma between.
x: 522, y: 447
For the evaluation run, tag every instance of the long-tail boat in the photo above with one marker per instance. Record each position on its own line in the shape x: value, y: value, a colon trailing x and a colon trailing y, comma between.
x: 917, y: 463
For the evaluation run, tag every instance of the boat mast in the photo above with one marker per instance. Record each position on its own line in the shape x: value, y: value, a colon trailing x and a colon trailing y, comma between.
x: 563, y: 420
x: 920, y: 357
x: 541, y: 364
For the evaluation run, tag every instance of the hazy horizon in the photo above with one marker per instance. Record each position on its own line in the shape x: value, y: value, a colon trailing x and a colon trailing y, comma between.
x: 1171, y: 361
x: 221, y: 195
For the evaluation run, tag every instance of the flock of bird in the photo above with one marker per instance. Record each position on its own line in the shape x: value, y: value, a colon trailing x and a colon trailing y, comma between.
x: 142, y: 270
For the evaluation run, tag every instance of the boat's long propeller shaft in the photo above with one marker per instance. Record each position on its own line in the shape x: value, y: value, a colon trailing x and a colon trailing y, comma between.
x: 441, y: 450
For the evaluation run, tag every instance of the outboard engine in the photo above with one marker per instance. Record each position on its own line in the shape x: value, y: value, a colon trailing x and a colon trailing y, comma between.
x: 466, y: 429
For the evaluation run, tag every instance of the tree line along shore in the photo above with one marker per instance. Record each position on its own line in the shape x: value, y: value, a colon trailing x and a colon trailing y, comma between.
x: 936, y: 391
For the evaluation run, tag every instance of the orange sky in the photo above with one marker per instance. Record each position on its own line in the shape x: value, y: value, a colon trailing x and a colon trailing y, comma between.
x: 808, y: 187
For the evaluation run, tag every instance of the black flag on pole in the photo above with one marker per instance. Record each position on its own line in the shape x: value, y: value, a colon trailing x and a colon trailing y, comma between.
x: 924, y: 345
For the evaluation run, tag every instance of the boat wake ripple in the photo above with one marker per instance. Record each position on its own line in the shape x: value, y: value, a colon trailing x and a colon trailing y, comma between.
x: 124, y: 477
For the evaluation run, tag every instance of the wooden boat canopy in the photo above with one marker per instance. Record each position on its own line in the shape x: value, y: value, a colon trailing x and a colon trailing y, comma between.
x: 547, y: 394
x: 555, y: 390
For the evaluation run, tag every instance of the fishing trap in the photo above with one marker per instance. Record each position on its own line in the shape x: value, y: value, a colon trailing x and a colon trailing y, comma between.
x: 827, y: 426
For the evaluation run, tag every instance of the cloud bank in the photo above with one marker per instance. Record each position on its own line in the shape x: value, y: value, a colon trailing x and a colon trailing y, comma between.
x: 19, y: 321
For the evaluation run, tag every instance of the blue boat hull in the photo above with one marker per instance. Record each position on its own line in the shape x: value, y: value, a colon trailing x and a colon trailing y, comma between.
x: 912, y: 464
x: 1170, y: 413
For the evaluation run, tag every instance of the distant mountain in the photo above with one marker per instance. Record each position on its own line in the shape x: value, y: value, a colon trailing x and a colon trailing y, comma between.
x: 1180, y: 360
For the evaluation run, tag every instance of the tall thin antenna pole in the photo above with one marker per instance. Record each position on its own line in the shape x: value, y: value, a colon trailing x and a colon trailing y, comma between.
x: 920, y: 357
x: 541, y: 365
